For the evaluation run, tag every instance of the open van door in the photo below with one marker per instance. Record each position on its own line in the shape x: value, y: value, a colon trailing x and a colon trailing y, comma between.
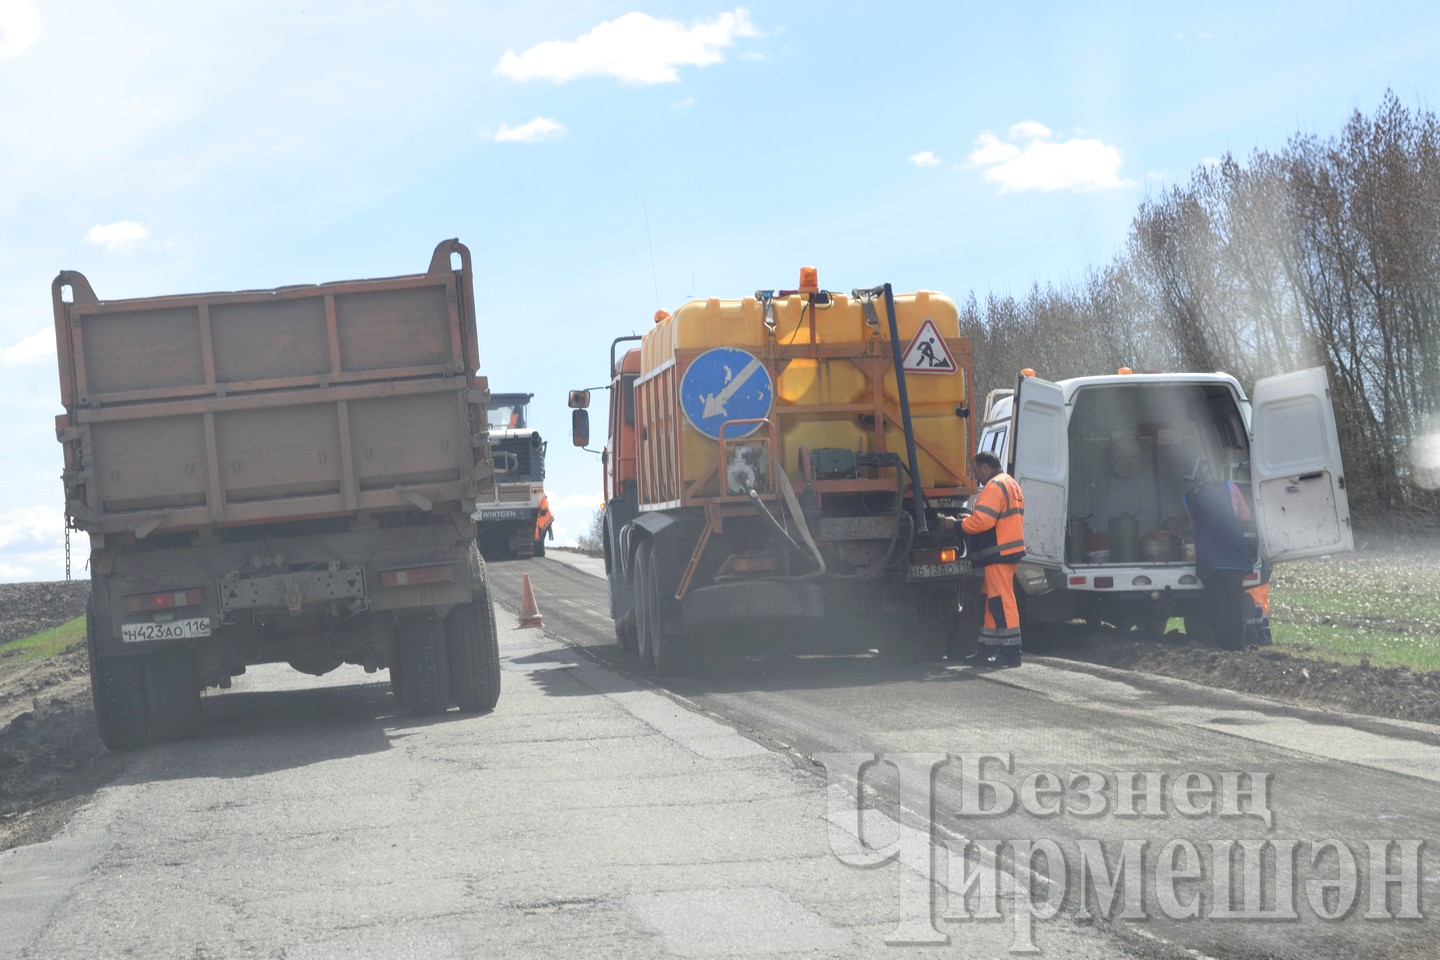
x: 1301, y: 509
x: 1039, y: 451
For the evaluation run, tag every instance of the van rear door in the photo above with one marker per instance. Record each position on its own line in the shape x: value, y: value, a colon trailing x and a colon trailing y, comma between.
x: 1301, y: 509
x: 1039, y: 446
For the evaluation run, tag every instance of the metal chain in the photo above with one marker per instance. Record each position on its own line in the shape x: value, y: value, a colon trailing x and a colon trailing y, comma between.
x: 67, y: 549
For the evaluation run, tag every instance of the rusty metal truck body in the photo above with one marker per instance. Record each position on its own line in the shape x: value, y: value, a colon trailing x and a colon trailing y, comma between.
x: 280, y: 475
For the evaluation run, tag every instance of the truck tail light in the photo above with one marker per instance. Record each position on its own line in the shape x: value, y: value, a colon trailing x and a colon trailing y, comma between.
x: 440, y: 573
x: 167, y: 600
x: 948, y: 555
x: 1102, y: 583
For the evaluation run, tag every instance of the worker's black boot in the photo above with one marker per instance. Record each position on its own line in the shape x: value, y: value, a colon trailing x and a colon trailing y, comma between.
x: 982, y: 656
x: 1007, y: 657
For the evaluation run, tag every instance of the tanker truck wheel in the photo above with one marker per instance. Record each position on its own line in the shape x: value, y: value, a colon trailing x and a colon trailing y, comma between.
x: 625, y: 631
x: 423, y: 687
x: 474, y: 653
x: 644, y: 619
x: 117, y: 686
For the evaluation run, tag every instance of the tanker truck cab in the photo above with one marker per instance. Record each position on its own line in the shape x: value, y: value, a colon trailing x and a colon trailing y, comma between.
x: 1101, y: 461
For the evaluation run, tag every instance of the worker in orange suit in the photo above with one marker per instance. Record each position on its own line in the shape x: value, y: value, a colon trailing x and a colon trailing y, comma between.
x: 543, y: 519
x: 996, y: 528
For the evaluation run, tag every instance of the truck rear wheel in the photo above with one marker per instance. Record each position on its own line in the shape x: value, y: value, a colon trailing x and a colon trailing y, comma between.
x: 423, y: 687
x: 174, y: 694
x: 474, y: 651
x: 117, y: 687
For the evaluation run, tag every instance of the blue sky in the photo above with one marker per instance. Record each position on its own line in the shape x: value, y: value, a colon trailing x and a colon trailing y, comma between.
x: 601, y: 159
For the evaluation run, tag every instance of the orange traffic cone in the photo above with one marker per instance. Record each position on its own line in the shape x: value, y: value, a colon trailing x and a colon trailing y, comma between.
x: 529, y: 611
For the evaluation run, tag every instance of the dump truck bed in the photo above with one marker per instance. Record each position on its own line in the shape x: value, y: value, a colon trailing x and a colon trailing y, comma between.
x: 215, y: 409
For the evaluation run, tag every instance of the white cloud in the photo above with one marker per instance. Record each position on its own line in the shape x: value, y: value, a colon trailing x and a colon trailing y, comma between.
x: 541, y: 128
x: 685, y: 104
x: 35, y: 348
x: 925, y: 158
x: 1039, y: 162
x: 19, y: 27
x: 577, y: 503
x: 635, y: 48
x: 1030, y: 130
x: 119, y: 237
x: 36, y: 524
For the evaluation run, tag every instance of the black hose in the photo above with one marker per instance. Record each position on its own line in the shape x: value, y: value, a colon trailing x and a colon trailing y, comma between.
x: 778, y: 528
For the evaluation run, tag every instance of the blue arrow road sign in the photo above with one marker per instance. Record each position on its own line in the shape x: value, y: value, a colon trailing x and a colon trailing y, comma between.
x: 726, y: 384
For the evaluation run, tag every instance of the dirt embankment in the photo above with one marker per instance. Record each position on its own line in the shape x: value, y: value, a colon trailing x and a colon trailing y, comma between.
x: 50, y: 755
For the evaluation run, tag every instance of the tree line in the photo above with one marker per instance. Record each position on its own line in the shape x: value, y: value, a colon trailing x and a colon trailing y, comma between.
x: 1326, y: 252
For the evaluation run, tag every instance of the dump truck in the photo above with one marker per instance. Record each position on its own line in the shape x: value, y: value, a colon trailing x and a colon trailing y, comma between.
x: 516, y: 521
x: 278, y: 476
x: 1101, y: 461
x: 781, y: 459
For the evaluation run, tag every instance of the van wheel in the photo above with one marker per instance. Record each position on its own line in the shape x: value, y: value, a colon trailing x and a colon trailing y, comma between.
x: 423, y: 689
x: 474, y: 651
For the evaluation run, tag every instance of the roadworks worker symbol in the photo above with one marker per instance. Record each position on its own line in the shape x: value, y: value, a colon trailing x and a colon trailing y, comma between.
x: 927, y: 352
x: 726, y: 384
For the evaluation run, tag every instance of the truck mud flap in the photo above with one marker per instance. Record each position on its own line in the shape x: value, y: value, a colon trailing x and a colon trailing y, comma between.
x: 754, y: 600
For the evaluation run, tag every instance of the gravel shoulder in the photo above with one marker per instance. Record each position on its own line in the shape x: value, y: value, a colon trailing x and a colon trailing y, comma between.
x: 52, y: 760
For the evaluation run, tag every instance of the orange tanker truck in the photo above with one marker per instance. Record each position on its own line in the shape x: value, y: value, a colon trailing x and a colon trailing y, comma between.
x: 781, y: 458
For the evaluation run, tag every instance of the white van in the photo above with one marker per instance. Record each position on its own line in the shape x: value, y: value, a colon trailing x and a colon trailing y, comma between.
x: 1107, y: 536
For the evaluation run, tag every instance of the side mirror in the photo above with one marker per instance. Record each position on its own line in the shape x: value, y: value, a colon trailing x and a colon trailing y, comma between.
x: 579, y: 399
x: 580, y: 426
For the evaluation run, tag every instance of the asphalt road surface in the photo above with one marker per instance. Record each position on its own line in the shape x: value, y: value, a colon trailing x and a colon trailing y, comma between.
x: 599, y: 811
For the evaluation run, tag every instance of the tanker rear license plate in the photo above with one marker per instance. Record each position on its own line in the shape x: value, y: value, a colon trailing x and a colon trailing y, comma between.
x: 174, y: 630
x: 927, y: 571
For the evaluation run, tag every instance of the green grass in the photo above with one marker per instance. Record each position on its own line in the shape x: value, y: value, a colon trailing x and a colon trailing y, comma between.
x: 1379, y: 606
x: 1375, y: 605
x: 47, y: 643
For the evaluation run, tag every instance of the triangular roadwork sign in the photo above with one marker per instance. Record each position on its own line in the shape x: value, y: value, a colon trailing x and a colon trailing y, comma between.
x: 927, y: 352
